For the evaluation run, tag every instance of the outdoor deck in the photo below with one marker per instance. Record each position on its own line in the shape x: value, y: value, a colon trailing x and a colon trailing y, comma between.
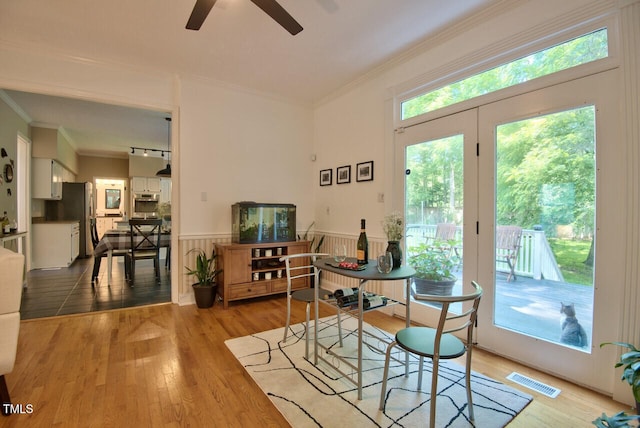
x: 532, y: 307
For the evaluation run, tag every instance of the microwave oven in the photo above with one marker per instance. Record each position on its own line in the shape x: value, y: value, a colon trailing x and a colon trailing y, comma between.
x: 145, y: 205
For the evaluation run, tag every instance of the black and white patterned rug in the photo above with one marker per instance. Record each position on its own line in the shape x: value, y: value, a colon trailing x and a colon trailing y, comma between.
x: 319, y: 396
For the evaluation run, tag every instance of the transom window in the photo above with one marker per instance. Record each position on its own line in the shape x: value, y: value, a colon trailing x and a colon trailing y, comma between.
x: 580, y: 50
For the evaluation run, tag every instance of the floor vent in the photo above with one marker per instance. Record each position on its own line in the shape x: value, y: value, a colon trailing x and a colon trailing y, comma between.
x: 540, y: 387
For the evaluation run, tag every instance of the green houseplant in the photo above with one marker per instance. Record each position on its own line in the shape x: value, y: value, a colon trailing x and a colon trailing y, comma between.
x: 305, y: 237
x: 205, y: 272
x: 619, y: 420
x: 631, y: 372
x: 434, y: 267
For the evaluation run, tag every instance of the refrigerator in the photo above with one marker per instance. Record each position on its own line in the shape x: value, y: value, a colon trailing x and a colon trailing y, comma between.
x: 76, y: 204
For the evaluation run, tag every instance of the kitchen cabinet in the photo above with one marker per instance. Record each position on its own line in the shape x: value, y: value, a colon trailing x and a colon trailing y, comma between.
x: 47, y: 179
x: 252, y: 270
x: 55, y: 244
x: 165, y: 190
x: 106, y: 223
x: 145, y: 184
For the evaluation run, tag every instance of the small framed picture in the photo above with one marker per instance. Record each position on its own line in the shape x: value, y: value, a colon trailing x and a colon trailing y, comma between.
x: 325, y: 177
x: 343, y: 174
x: 364, y: 171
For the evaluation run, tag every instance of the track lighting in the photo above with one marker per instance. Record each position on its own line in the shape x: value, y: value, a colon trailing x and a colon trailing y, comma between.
x: 148, y: 152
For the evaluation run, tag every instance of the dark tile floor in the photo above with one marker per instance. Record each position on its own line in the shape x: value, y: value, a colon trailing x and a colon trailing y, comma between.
x: 69, y: 290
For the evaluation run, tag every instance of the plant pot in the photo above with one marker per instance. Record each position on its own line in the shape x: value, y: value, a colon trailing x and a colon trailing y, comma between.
x: 205, y: 295
x: 396, y: 253
x: 435, y: 287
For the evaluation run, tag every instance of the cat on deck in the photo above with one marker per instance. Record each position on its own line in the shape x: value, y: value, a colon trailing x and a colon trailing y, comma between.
x: 572, y: 332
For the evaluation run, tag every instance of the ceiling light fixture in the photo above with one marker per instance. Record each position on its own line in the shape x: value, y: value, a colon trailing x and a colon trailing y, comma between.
x: 145, y: 153
x: 167, y: 171
x: 149, y: 151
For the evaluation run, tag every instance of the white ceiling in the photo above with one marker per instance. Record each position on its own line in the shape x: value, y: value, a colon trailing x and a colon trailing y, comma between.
x: 238, y: 44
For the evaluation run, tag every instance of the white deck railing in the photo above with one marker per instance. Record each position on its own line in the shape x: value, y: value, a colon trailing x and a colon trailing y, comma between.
x: 535, y: 258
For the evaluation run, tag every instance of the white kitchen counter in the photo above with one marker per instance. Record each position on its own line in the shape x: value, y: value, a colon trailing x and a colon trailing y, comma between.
x: 55, y: 244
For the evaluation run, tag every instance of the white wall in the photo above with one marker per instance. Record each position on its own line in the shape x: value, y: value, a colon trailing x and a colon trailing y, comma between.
x: 12, y: 124
x: 240, y: 146
x: 348, y: 131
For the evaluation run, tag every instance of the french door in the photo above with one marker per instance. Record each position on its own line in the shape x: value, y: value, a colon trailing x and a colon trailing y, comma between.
x: 439, y: 163
x: 527, y: 181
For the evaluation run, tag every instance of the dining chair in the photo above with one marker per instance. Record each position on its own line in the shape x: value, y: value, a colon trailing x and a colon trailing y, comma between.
x: 443, y: 239
x: 97, y: 259
x: 145, y: 244
x: 12, y: 268
x: 508, y: 247
x: 167, y: 226
x: 438, y: 343
x: 298, y: 267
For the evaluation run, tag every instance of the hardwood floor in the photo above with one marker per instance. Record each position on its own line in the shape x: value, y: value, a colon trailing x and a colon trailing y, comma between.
x: 167, y: 365
x: 69, y: 290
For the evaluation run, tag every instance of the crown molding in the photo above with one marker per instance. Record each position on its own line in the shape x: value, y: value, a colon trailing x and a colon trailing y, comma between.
x: 15, y: 107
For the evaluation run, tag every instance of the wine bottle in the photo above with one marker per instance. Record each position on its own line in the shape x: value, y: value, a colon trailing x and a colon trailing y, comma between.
x: 374, y: 301
x: 369, y: 301
x: 5, y: 223
x: 362, y: 252
x: 345, y: 292
x: 346, y: 301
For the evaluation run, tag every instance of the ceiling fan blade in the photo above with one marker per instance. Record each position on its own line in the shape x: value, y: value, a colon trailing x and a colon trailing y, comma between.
x: 281, y: 16
x: 199, y: 14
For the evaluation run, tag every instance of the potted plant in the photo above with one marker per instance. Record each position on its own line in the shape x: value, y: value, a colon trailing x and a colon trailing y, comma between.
x: 392, y: 225
x: 619, y: 420
x: 304, y: 237
x: 631, y: 373
x: 434, y: 268
x: 205, y: 272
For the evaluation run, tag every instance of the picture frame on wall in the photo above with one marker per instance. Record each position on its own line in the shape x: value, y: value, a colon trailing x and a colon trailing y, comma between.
x: 326, y: 177
x: 364, y: 171
x: 343, y: 174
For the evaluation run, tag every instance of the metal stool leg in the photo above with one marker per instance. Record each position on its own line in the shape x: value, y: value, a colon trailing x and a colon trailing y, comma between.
x: 286, y: 327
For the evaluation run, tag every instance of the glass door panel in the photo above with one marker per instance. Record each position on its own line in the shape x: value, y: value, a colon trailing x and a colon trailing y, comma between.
x: 550, y: 223
x: 434, y: 155
x: 544, y: 234
x: 434, y: 213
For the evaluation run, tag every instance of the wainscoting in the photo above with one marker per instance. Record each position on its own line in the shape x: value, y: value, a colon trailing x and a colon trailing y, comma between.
x: 189, y: 244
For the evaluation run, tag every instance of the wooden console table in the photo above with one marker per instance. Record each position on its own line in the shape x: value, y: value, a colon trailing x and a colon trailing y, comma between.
x: 252, y: 270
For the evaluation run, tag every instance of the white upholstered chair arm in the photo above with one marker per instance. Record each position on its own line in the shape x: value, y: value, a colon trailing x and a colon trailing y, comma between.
x: 9, y: 329
x: 12, y: 268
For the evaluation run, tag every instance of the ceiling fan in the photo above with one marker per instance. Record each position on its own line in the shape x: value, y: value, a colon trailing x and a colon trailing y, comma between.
x: 270, y: 7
